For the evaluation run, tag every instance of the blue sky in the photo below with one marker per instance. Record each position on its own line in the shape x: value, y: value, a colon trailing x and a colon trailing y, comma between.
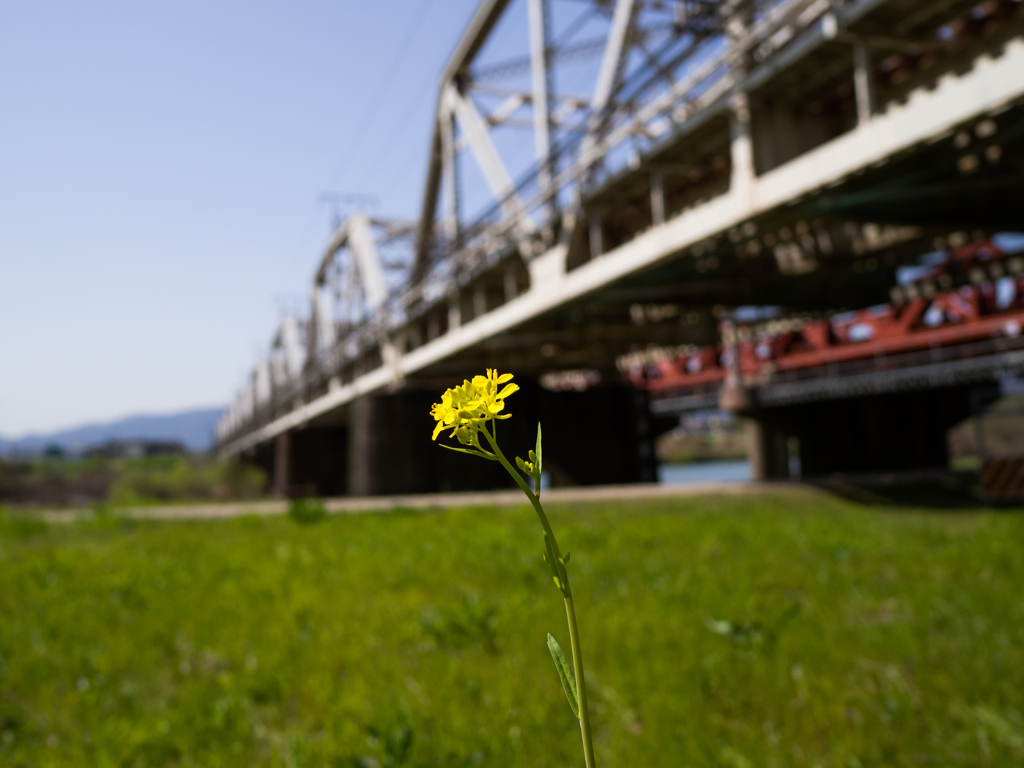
x: 160, y: 165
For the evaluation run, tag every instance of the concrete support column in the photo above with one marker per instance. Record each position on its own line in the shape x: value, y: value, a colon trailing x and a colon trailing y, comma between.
x: 657, y: 198
x: 767, y: 451
x: 863, y: 83
x: 596, y: 235
x: 282, y: 464
x: 389, y: 445
x: 741, y: 149
x: 479, y: 301
x: 318, y: 461
x: 894, y: 432
x: 511, y: 282
x: 413, y: 339
x: 454, y: 311
x: 599, y: 436
x: 360, y: 459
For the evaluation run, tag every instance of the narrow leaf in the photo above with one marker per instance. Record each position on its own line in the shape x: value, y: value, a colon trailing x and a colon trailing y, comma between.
x: 563, y: 577
x: 565, y: 674
x: 470, y: 452
x: 550, y: 559
x: 540, y: 459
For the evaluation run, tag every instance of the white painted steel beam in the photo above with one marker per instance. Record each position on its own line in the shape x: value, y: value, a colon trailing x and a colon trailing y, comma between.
x: 473, y: 39
x: 612, y: 62
x: 322, y: 334
x: 261, y: 382
x: 487, y: 157
x: 486, y: 16
x: 613, y: 58
x: 291, y: 342
x: 540, y: 77
x: 450, y: 159
x: 371, y: 272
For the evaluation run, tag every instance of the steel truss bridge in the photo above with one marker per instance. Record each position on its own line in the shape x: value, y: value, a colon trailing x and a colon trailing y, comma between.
x: 684, y: 156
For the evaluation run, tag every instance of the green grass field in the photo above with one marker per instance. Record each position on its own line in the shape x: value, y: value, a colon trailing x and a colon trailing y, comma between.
x: 794, y: 629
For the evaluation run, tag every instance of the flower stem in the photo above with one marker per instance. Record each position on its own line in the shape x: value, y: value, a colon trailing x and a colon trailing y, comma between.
x: 581, y: 685
x: 570, y: 610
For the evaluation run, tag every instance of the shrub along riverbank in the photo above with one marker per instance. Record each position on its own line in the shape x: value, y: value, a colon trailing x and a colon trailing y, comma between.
x: 793, y: 629
x: 81, y: 482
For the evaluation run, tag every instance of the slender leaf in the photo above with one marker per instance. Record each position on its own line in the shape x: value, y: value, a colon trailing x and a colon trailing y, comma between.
x: 470, y: 452
x: 552, y: 561
x: 540, y: 459
x: 565, y: 674
x: 563, y: 577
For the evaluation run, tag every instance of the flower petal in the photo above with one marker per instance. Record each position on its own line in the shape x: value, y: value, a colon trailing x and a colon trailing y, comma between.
x: 508, y: 391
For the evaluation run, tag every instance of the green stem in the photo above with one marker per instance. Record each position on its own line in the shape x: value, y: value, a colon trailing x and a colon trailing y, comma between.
x: 581, y: 685
x: 570, y: 610
x: 526, y: 489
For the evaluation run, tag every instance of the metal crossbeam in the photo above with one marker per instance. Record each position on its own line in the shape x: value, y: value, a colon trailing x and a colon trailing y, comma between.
x: 488, y: 158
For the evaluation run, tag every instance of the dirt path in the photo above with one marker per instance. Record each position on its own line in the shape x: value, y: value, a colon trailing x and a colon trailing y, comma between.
x: 352, y: 505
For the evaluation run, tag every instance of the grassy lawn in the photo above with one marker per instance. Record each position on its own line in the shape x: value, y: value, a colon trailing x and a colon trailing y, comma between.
x: 791, y: 629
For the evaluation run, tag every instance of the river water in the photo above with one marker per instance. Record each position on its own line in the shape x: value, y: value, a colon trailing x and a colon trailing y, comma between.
x: 704, y: 472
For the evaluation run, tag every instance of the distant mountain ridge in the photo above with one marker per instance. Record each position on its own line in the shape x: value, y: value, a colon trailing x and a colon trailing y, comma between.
x: 195, y: 430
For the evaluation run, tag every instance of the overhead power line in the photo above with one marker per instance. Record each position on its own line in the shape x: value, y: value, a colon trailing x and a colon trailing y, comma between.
x: 385, y: 81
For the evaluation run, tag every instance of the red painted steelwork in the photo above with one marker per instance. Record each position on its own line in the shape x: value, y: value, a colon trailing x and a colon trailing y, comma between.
x: 970, y: 313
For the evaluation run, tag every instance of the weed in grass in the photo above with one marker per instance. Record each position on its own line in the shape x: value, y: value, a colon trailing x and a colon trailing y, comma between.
x: 474, y: 409
x: 306, y: 511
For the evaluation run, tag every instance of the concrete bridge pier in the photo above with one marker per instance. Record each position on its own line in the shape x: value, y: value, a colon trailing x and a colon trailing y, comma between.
x: 891, y: 432
x: 306, y: 462
x: 767, y: 448
x: 389, y: 444
x: 381, y: 444
x: 603, y: 435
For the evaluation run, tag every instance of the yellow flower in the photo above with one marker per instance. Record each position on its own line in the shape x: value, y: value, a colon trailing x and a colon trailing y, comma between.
x: 466, y: 408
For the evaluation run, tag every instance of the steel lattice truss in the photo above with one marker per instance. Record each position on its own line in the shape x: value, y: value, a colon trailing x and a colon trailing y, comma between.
x: 654, y: 66
x: 651, y: 66
x: 542, y: 105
